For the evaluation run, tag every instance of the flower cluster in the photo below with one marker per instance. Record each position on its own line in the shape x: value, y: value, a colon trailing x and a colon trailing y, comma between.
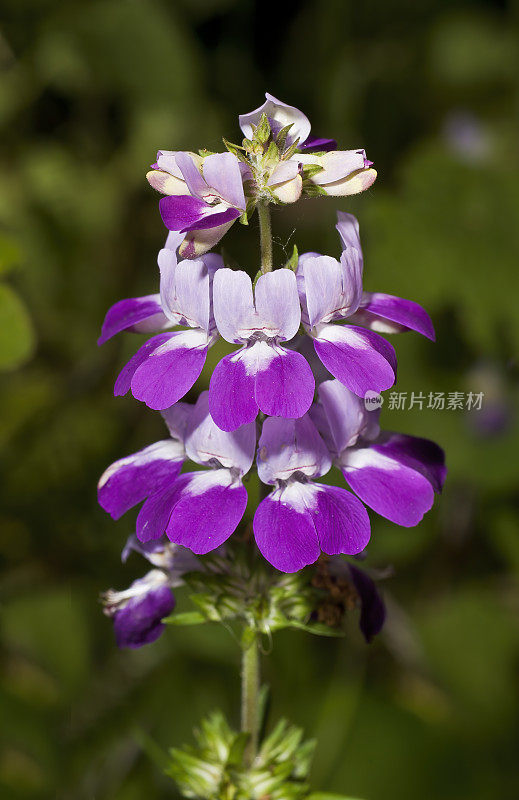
x: 288, y: 399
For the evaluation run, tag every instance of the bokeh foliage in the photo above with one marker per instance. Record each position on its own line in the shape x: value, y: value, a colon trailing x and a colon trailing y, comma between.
x: 89, y: 91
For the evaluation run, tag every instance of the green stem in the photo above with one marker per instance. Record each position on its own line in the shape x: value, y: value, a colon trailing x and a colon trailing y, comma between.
x: 265, y: 237
x: 250, y: 686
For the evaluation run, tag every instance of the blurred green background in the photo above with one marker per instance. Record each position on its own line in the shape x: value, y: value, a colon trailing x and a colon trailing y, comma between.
x: 89, y: 91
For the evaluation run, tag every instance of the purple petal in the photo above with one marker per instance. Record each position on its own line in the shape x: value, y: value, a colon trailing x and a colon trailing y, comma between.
x: 372, y: 608
x: 167, y: 261
x: 392, y: 489
x: 171, y: 369
x: 176, y: 418
x: 287, y: 446
x: 123, y: 382
x: 233, y: 304
x: 420, y: 454
x: 196, y: 243
x: 333, y: 290
x: 191, y: 174
x: 284, y: 531
x: 137, y: 314
x: 215, y: 217
x: 167, y: 161
x: 180, y: 212
x: 130, y: 480
x: 388, y: 314
x: 191, y: 294
x: 206, y: 442
x: 279, y: 114
x: 222, y: 172
x: 275, y: 314
x: 140, y: 621
x: 313, y: 143
x: 347, y: 415
x: 207, y: 510
x: 232, y: 399
x: 284, y: 382
x: 348, y: 228
x: 341, y: 521
x: 277, y: 304
x: 153, y: 518
x: 360, y: 359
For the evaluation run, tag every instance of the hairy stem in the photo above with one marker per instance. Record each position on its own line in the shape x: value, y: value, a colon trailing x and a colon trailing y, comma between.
x: 265, y: 237
x: 250, y: 686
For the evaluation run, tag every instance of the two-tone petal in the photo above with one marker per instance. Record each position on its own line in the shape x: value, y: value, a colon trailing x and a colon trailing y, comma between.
x: 130, y: 480
x: 360, y: 359
x: 138, y: 612
x: 279, y: 115
x: 386, y: 313
x: 263, y: 375
x: 298, y: 521
x: 342, y: 173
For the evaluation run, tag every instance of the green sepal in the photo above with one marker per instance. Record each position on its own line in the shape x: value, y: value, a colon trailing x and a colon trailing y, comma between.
x: 293, y: 260
x: 258, y: 275
x: 313, y: 190
x: 290, y: 151
x: 186, y: 618
x: 262, y: 131
x: 281, y: 138
x: 204, y: 152
x: 272, y: 155
x: 206, y: 605
x: 309, y: 170
x: 235, y: 149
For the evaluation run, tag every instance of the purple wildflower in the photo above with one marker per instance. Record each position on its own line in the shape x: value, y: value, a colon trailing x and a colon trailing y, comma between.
x: 300, y: 518
x: 204, y: 196
x: 331, y: 291
x: 150, y: 471
x: 167, y: 365
x: 199, y: 510
x: 394, y: 474
x: 262, y: 375
x: 137, y: 612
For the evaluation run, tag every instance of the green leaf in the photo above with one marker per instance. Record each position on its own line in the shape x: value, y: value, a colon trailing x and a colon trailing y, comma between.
x: 17, y: 338
x: 186, y: 618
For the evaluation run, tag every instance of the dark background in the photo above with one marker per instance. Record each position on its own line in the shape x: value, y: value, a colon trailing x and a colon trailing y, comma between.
x: 89, y: 91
